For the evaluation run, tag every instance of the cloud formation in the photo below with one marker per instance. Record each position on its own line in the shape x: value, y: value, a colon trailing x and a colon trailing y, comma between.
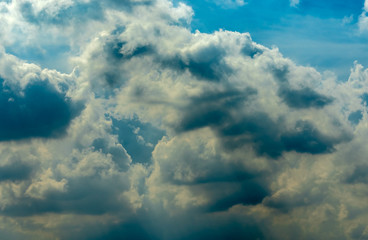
x: 159, y: 132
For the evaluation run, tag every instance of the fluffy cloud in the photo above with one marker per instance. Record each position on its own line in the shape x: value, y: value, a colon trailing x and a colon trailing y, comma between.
x: 163, y: 133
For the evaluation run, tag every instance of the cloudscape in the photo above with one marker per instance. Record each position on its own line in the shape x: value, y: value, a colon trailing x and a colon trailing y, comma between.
x: 183, y: 120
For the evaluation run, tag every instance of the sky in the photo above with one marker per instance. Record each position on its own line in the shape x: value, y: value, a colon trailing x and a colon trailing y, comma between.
x: 178, y: 120
x: 322, y: 34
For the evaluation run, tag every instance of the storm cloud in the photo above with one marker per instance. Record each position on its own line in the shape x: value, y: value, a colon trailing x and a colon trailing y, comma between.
x: 38, y: 111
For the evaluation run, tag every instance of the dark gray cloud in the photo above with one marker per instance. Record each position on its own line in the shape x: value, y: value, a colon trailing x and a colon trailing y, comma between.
x: 39, y: 111
x: 16, y: 170
x: 306, y: 138
x: 359, y: 175
x: 230, y: 173
x: 113, y: 48
x: 130, y: 230
x: 267, y: 136
x: 289, y: 200
x: 184, y: 227
x: 298, y: 98
x: 304, y: 98
x: 205, y: 64
x: 84, y: 195
x: 232, y: 230
x: 218, y: 110
x: 271, y: 138
x: 213, y: 109
x: 257, y: 129
x: 223, y: 184
x: 248, y: 192
x: 114, y: 56
x: 358, y: 232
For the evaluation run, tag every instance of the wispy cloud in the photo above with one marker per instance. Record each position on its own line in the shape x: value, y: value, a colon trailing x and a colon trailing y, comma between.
x: 294, y: 3
x: 230, y: 3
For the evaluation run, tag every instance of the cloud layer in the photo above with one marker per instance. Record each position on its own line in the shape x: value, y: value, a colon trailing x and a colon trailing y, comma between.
x: 158, y: 132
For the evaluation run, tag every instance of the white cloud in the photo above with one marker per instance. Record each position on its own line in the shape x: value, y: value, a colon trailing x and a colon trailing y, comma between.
x: 363, y: 19
x: 40, y: 187
x: 250, y: 137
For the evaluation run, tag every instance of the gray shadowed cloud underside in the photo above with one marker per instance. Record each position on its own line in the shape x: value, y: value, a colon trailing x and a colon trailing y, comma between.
x: 38, y: 110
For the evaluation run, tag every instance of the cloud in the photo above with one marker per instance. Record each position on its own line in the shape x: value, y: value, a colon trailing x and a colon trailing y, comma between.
x: 363, y: 20
x: 182, y: 134
x: 40, y: 111
x: 294, y: 3
x: 230, y: 3
x: 138, y: 138
x: 304, y: 98
x: 34, y: 106
x: 15, y: 171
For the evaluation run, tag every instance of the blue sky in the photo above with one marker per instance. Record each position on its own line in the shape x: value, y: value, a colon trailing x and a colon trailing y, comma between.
x: 183, y: 120
x: 322, y: 34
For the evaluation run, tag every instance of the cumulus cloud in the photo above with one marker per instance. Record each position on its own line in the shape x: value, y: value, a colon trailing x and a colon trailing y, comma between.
x: 159, y: 132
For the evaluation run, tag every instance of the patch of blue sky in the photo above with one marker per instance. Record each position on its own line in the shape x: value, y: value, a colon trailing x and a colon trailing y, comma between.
x: 323, y: 34
x: 51, y: 56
